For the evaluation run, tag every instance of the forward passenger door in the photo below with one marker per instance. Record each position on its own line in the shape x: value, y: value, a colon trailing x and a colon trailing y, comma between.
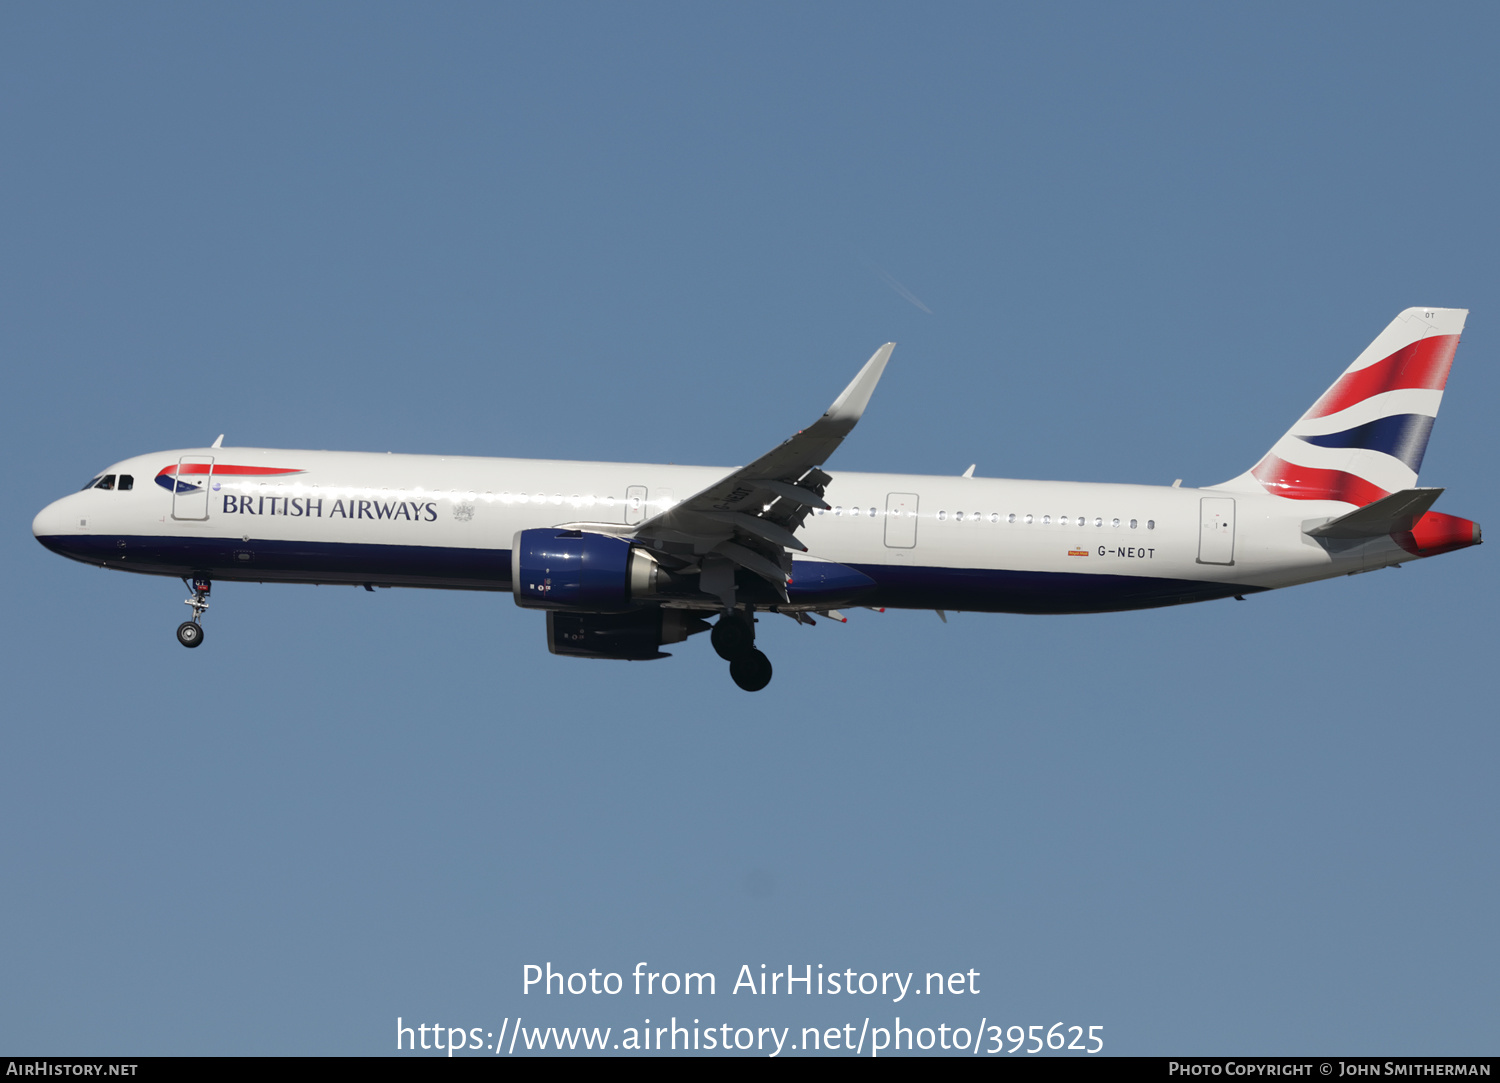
x: 195, y: 474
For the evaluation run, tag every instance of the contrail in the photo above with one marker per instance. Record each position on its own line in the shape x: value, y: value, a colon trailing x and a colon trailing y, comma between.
x: 890, y: 280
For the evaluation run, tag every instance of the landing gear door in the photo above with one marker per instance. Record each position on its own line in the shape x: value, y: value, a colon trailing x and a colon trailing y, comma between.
x: 195, y: 473
x: 1216, y: 533
x: 901, y: 520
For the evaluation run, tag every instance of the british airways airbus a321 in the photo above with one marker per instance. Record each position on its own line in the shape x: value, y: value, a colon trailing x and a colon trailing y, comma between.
x: 626, y: 558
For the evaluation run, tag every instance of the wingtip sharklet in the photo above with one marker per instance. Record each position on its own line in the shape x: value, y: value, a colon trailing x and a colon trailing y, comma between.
x: 850, y: 405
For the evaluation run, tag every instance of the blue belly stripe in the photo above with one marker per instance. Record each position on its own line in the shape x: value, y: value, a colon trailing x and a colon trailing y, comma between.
x: 892, y: 586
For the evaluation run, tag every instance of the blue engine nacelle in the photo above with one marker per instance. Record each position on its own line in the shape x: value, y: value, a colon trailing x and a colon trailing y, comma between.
x: 579, y: 571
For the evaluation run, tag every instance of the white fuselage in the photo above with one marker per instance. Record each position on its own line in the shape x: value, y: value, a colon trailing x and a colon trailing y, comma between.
x: 928, y: 542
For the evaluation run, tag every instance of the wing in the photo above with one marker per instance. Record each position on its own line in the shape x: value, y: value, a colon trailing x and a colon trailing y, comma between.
x: 749, y: 519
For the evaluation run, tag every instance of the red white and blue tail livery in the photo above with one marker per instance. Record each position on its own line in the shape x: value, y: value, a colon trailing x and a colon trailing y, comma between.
x: 625, y: 558
x: 1365, y: 436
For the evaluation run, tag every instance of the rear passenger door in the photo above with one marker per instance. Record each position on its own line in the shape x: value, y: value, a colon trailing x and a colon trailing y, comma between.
x: 1216, y: 530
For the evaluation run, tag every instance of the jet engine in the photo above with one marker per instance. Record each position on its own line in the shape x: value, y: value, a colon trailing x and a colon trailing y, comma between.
x: 629, y: 636
x: 579, y: 571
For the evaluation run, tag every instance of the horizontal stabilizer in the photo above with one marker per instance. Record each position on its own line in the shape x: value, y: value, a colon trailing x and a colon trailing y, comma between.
x: 1388, y: 515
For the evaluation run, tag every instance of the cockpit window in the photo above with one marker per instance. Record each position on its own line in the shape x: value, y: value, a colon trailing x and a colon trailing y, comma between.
x: 92, y: 482
x: 106, y: 482
x: 127, y: 482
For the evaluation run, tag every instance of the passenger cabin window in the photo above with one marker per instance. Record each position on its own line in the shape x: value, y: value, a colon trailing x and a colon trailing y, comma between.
x: 106, y: 482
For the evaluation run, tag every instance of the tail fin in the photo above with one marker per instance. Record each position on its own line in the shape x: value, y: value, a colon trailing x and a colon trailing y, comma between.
x: 1365, y: 437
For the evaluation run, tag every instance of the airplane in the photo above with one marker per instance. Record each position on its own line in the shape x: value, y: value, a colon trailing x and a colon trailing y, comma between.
x: 626, y: 558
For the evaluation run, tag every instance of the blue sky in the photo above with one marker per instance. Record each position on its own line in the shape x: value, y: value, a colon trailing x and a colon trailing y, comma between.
x: 1143, y: 239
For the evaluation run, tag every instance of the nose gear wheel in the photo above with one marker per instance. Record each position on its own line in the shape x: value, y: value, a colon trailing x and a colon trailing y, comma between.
x: 190, y: 632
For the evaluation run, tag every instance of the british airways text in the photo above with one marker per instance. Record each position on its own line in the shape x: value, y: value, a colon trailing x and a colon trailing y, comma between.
x: 306, y: 506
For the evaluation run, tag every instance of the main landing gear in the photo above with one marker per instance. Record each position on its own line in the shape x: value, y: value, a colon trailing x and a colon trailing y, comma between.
x: 190, y: 632
x: 733, y: 639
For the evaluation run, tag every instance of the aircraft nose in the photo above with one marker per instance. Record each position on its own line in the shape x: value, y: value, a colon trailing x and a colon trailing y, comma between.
x: 51, y: 523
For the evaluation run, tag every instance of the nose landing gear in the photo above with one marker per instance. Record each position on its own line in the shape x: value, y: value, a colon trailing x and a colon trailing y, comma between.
x: 733, y: 639
x: 190, y: 632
